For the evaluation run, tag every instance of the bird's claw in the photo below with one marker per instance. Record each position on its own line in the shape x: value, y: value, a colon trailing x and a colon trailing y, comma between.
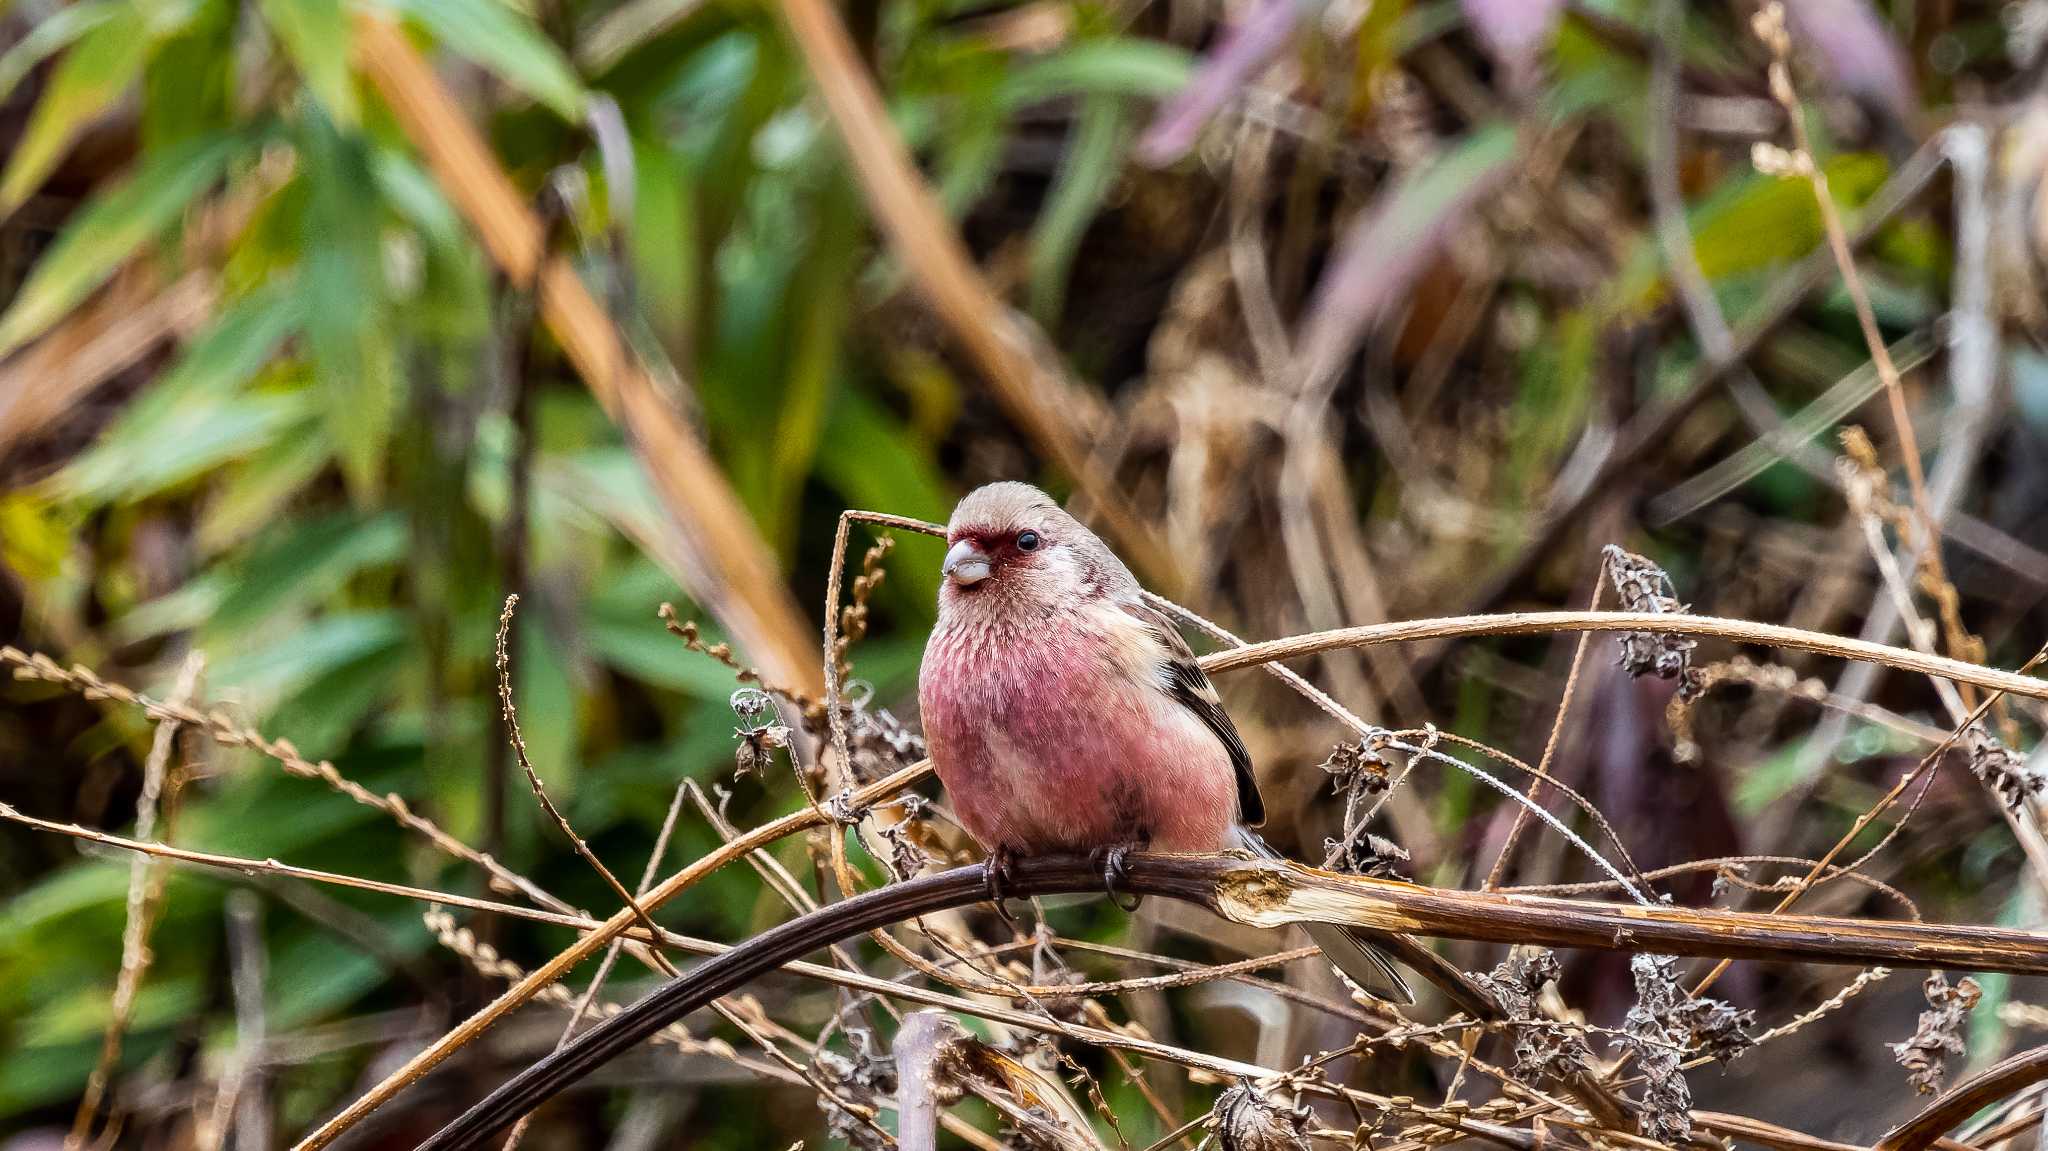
x: 1115, y: 873
x: 999, y: 880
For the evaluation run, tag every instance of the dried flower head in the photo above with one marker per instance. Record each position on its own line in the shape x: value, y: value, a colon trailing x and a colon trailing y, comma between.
x: 1660, y: 1049
x: 1662, y: 1028
x: 1771, y: 160
x: 1247, y: 1120
x: 906, y: 858
x: 1065, y: 1008
x: 1769, y: 26
x: 1645, y: 587
x: 877, y: 743
x: 1541, y: 1052
x: 1357, y: 766
x: 758, y: 740
x: 2001, y: 769
x: 1366, y: 854
x: 1940, y: 1033
x: 862, y: 1078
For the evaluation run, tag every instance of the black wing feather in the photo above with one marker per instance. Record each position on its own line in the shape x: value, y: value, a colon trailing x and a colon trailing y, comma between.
x: 1189, y: 684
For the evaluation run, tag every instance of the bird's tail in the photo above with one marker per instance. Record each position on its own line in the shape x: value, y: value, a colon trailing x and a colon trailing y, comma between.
x: 1354, y: 953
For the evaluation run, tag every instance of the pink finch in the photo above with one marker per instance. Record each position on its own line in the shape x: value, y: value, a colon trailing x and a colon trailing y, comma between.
x: 1064, y: 713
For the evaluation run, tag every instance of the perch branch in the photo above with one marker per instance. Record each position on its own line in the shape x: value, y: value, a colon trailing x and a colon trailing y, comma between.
x: 1271, y: 894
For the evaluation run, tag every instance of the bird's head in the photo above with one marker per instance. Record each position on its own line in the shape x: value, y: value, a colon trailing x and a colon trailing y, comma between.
x: 1010, y: 547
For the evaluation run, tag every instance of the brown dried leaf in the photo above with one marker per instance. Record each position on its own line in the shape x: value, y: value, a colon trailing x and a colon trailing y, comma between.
x: 1645, y: 587
x: 2001, y: 769
x: 1940, y: 1033
x: 1662, y: 1028
x: 1247, y: 1120
x: 1542, y: 1050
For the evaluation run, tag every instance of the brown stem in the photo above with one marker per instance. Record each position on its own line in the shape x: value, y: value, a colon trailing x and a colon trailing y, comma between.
x: 1270, y: 894
x: 1964, y: 1099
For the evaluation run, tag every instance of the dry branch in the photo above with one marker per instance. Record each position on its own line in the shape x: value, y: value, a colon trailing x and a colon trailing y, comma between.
x: 1270, y: 894
x: 1965, y: 1099
x: 1672, y: 623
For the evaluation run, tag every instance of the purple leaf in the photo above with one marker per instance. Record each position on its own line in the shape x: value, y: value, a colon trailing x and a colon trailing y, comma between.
x: 1238, y: 57
x: 1853, y: 45
x: 1389, y: 243
x: 1514, y: 31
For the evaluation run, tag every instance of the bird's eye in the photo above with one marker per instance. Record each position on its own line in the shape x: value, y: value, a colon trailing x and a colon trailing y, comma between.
x: 1027, y: 541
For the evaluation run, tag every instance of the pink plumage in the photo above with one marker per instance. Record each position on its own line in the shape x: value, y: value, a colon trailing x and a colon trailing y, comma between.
x: 1041, y: 698
x: 1064, y: 713
x: 1048, y: 740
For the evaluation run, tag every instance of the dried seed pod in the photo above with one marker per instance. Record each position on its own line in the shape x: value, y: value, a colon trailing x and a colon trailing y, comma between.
x: 1645, y: 587
x: 2002, y: 770
x: 1249, y: 1121
x: 1940, y: 1033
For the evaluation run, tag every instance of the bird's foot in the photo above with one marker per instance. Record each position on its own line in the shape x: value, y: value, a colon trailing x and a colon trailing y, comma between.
x: 1115, y: 873
x: 999, y: 880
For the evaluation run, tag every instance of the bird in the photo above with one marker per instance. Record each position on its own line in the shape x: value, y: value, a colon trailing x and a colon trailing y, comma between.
x: 1065, y: 713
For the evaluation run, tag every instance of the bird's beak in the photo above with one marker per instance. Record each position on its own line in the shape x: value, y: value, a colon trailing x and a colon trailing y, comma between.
x: 966, y: 565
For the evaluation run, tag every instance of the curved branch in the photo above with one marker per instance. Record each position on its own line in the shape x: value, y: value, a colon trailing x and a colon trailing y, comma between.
x: 1669, y: 623
x: 1269, y: 894
x: 1965, y: 1099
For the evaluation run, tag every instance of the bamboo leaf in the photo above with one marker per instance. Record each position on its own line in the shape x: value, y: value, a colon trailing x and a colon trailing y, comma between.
x: 315, y: 34
x: 99, y: 67
x: 1130, y: 67
x: 109, y: 230
x: 498, y: 38
x: 346, y: 329
x: 1085, y: 179
x: 51, y: 35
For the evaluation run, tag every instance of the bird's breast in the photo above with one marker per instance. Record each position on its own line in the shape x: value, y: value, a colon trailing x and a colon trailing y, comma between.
x: 1060, y: 741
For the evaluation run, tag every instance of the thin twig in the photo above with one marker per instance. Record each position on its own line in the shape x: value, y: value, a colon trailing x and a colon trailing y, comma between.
x: 241, y: 1093
x: 145, y: 896
x: 1542, y: 772
x: 1671, y: 623
x: 511, y: 716
x: 611, y: 954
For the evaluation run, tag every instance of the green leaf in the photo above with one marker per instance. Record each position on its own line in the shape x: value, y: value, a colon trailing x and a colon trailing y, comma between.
x: 1114, y: 66
x: 97, y: 70
x: 315, y: 34
x: 873, y: 461
x: 107, y: 231
x: 51, y: 35
x: 1086, y: 175
x: 546, y: 697
x: 816, y: 330
x: 255, y: 493
x: 267, y: 673
x: 196, y: 439
x: 199, y: 389
x: 322, y: 714
x: 301, y: 566
x: 502, y: 40
x: 186, y: 607
x: 188, y: 87
x: 346, y: 320
x: 651, y: 655
x: 312, y: 978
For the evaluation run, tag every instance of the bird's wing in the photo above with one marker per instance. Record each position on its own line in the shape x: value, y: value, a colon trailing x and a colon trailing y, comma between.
x: 1188, y: 684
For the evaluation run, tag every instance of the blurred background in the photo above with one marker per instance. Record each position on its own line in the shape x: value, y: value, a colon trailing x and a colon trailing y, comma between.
x: 327, y: 326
